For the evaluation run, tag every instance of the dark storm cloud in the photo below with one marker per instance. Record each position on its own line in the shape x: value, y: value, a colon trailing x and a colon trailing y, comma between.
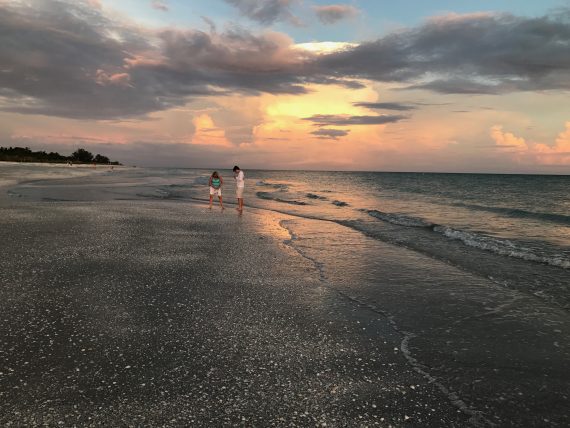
x: 346, y: 120
x: 64, y: 58
x: 479, y: 53
x: 266, y: 11
x: 71, y: 59
x: 330, y: 134
x: 385, y: 106
x: 331, y: 14
x: 51, y: 52
x: 465, y: 86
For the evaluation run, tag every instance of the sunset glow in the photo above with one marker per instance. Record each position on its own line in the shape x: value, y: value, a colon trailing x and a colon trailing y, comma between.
x: 310, y: 85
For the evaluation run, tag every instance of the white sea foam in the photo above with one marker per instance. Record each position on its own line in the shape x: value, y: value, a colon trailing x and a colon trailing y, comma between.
x: 503, y: 247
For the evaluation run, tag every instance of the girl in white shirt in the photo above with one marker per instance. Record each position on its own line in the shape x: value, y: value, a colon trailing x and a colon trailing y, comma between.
x: 240, y: 184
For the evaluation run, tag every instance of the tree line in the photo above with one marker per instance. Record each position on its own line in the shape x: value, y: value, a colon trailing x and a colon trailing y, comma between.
x: 25, y: 154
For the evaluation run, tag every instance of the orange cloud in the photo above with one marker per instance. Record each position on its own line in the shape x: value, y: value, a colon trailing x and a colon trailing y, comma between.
x: 540, y: 153
x: 507, y: 140
x: 207, y: 133
x: 559, y: 154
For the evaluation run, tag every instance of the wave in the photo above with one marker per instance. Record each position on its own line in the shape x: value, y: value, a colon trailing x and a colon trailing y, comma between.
x: 400, y: 219
x: 503, y: 247
x: 204, y: 181
x: 313, y: 196
x: 279, y: 186
x: 340, y: 203
x: 269, y: 196
x: 518, y: 213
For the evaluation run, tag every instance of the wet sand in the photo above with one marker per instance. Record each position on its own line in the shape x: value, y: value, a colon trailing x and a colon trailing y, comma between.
x: 164, y: 313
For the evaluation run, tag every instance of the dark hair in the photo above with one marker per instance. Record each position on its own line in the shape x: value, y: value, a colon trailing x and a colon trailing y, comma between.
x: 215, y: 174
x: 236, y: 168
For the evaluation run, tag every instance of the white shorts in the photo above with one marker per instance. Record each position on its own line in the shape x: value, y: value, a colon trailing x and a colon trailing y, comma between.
x: 239, y: 192
x: 216, y: 191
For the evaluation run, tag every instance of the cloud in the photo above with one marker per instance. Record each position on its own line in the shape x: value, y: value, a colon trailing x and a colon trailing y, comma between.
x: 160, y: 5
x: 475, y: 53
x: 385, y: 106
x: 331, y: 14
x: 95, y: 3
x: 120, y: 79
x: 206, y: 133
x: 557, y: 154
x: 52, y: 52
x: 346, y: 120
x: 330, y: 134
x: 465, y: 86
x: 507, y: 140
x: 66, y: 58
x: 77, y: 60
x: 266, y: 12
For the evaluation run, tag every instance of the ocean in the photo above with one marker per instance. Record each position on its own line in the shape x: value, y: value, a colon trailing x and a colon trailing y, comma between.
x: 513, y: 229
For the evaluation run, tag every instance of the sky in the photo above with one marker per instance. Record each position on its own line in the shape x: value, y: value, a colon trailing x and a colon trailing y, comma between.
x: 377, y: 85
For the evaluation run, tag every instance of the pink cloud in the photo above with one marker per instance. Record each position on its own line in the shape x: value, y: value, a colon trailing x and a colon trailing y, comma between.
x: 95, y: 3
x: 207, y: 133
x: 540, y: 153
x: 559, y: 154
x: 507, y: 140
x: 160, y: 5
x: 119, y: 79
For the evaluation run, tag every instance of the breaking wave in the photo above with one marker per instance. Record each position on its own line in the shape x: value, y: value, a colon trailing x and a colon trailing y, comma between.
x: 503, y: 247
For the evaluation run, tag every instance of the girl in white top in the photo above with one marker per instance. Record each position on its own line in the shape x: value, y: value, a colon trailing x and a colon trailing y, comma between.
x: 240, y: 184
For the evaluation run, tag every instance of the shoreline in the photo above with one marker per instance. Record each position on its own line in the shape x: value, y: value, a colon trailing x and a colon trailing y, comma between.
x: 256, y: 320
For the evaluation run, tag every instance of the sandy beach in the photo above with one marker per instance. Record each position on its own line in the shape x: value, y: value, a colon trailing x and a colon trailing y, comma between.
x: 132, y: 311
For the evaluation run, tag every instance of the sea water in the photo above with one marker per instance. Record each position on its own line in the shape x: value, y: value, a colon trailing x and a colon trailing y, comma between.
x: 514, y: 229
x: 520, y: 216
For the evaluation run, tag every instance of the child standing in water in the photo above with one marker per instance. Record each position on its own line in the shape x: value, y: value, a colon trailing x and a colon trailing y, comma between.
x: 216, y: 184
x: 240, y: 184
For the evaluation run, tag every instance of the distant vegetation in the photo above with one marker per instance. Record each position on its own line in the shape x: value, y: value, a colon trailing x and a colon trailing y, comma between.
x: 24, y: 154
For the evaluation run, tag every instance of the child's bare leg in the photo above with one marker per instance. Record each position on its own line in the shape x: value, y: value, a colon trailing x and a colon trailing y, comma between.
x: 221, y: 203
x: 211, y: 201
